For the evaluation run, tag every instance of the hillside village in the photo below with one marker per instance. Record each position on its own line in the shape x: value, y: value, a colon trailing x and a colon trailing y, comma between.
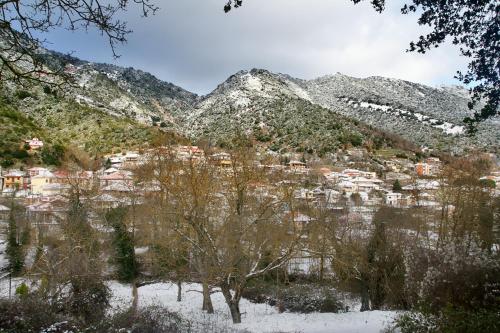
x: 349, y: 193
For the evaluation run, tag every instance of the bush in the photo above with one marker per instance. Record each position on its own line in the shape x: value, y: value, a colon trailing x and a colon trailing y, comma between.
x: 449, y: 320
x: 22, y: 94
x: 301, y: 298
x: 53, y: 155
x: 456, y: 275
x: 152, y: 319
x: 38, y: 315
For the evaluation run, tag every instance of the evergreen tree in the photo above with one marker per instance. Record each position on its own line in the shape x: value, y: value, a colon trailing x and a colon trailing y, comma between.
x: 108, y: 164
x: 396, y: 187
x: 123, y: 245
x: 14, y: 249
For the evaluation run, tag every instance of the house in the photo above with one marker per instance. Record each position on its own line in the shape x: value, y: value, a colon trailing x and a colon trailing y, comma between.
x: 34, y: 143
x: 346, y: 186
x: 298, y: 166
x: 427, y: 169
x: 222, y: 160
x: 188, y: 152
x: 359, y: 173
x: 332, y: 196
x: 40, y: 180
x: 16, y: 180
x: 304, y: 194
x: 366, y: 184
x: 110, y: 171
x: 393, y: 199
x: 422, y: 169
x: 35, y: 171
x: 82, y: 179
x: 45, y: 215
x: 300, y: 220
x: 106, y: 201
x: 122, y: 177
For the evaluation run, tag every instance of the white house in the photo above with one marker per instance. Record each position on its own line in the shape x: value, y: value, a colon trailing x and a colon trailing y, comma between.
x: 35, y: 143
x: 393, y: 199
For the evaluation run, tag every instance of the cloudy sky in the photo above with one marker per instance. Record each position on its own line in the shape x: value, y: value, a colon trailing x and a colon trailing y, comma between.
x: 193, y: 44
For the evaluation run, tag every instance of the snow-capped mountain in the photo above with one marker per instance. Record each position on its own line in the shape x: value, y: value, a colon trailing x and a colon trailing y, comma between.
x: 125, y: 92
x: 281, y: 111
x: 420, y: 113
x: 272, y: 109
x: 424, y: 115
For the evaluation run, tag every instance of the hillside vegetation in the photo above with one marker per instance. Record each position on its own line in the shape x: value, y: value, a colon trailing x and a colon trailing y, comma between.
x: 37, y: 112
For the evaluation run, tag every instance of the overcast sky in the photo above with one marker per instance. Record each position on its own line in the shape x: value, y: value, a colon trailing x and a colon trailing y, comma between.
x: 193, y: 44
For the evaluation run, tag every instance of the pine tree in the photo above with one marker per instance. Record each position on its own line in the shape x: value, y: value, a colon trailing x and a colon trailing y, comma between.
x: 123, y: 245
x: 14, y: 249
x: 396, y: 187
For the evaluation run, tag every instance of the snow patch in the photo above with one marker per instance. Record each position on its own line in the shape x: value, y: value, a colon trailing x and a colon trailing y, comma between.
x: 446, y: 127
x: 260, y: 318
x: 239, y: 98
x: 252, y: 82
x: 299, y: 91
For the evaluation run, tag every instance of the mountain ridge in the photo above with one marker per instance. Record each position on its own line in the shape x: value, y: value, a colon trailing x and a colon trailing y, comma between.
x: 424, y: 115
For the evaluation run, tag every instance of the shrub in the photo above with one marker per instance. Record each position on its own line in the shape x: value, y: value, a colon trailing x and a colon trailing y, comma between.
x: 301, y: 298
x: 449, y: 320
x: 38, y: 315
x: 22, y: 94
x: 53, y: 155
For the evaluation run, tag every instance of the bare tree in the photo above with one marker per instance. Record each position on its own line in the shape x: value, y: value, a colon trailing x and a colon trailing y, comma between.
x: 232, y: 229
x: 24, y: 23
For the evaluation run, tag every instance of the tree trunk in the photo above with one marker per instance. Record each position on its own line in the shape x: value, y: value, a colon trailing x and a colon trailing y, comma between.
x: 234, y: 307
x: 179, y: 290
x: 233, y: 303
x: 135, y: 297
x: 365, y: 297
x: 321, y: 267
x: 207, y: 301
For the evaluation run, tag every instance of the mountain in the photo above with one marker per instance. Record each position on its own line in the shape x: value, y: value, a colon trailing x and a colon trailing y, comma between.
x: 277, y: 111
x: 425, y: 115
x: 123, y: 91
x: 297, y: 112
x: 274, y: 111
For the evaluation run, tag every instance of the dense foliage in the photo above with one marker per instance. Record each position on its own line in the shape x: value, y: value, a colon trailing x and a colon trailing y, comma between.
x: 124, y: 255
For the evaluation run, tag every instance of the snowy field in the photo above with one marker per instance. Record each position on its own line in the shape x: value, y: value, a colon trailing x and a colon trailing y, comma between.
x: 256, y: 318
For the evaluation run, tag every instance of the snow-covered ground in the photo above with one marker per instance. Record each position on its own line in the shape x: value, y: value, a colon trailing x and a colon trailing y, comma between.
x: 260, y: 318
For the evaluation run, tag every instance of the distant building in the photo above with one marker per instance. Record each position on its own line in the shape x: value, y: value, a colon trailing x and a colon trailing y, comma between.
x: 40, y: 180
x: 222, y: 160
x: 423, y: 169
x: 15, y: 180
x: 393, y: 199
x: 35, y: 143
x: 35, y: 171
x: 297, y: 166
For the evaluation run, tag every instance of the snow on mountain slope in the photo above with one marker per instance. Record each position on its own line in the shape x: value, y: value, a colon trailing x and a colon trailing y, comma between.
x: 274, y: 110
x: 424, y: 115
x: 254, y: 99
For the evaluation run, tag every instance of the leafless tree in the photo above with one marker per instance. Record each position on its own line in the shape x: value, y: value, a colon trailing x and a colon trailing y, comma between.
x: 23, y: 25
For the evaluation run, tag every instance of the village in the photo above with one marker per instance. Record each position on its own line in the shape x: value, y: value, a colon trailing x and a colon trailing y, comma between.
x: 349, y: 193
